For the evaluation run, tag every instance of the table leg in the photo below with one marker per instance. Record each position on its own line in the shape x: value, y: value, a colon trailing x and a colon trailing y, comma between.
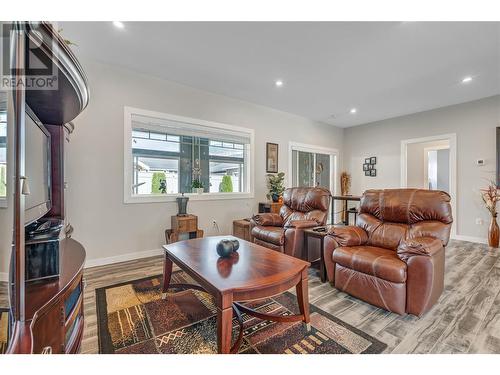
x: 303, y: 298
x: 224, y: 330
x: 322, y: 268
x: 346, y: 214
x: 167, y: 273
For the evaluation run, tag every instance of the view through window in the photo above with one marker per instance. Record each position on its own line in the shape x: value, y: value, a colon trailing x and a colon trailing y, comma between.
x: 171, y: 157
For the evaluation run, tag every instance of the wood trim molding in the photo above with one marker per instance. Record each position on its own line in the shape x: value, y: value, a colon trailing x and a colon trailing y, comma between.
x: 470, y: 239
x: 122, y: 258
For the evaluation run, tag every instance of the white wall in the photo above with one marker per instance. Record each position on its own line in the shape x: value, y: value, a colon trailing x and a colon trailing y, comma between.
x: 103, y: 223
x: 474, y: 124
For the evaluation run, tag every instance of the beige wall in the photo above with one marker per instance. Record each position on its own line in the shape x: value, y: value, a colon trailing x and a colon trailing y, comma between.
x: 108, y: 227
x: 474, y: 124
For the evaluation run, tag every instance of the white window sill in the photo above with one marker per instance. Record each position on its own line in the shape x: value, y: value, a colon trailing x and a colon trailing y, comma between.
x: 162, y: 198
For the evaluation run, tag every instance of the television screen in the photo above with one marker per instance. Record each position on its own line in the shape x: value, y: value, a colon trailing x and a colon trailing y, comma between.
x: 37, y: 169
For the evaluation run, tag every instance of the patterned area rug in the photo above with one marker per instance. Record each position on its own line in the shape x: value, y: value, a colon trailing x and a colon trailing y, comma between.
x: 4, y: 327
x: 133, y: 319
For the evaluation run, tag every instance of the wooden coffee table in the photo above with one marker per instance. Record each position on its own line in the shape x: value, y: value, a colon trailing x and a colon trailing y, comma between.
x: 254, y: 272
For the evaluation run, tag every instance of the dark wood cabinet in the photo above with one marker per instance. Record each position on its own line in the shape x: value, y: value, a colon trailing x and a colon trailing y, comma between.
x: 46, y: 315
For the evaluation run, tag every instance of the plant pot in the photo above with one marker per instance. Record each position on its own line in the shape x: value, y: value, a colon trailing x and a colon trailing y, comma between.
x: 275, y: 197
x: 197, y: 190
x: 493, y: 232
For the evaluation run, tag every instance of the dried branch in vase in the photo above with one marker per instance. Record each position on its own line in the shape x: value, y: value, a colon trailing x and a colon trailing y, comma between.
x: 345, y: 183
x: 490, y: 196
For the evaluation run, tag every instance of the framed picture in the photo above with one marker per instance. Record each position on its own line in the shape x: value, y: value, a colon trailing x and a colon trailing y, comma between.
x: 367, y: 160
x: 373, y: 172
x: 271, y: 157
x: 370, y: 166
x: 365, y: 167
x: 373, y: 160
x: 367, y: 173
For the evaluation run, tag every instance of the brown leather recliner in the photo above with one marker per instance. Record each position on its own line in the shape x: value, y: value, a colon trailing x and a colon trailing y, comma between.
x: 302, y: 208
x: 394, y: 256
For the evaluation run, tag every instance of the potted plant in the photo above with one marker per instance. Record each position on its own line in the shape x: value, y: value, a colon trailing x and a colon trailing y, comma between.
x: 276, y: 186
x: 197, y: 186
x: 490, y: 197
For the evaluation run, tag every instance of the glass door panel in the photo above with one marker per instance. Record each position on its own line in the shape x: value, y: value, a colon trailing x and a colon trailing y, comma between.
x: 322, y: 171
x: 311, y: 169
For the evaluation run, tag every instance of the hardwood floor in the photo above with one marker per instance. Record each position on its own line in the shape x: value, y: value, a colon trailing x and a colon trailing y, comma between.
x: 465, y: 320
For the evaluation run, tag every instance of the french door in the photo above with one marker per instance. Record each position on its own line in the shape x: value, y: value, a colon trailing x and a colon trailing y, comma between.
x: 312, y: 166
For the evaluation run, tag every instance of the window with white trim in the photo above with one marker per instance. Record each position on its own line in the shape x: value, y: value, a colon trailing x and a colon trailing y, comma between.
x: 169, y: 155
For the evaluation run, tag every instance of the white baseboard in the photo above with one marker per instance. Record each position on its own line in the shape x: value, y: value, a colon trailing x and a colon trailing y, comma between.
x: 470, y: 239
x: 122, y: 258
x: 4, y: 276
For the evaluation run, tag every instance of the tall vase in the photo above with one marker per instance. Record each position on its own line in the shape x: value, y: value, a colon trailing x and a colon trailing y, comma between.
x: 493, y: 232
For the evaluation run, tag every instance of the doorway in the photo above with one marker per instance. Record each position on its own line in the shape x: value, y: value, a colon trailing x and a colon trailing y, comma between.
x: 312, y: 166
x: 430, y: 163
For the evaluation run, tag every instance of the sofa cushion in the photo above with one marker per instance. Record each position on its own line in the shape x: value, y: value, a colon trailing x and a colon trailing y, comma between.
x: 371, y: 260
x: 274, y: 235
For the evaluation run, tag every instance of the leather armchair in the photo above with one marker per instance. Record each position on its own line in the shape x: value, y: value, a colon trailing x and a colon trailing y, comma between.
x: 302, y: 208
x: 394, y: 256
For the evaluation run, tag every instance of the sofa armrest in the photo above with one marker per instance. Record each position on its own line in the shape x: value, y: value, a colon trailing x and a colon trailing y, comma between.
x: 302, y: 224
x: 268, y: 219
x: 419, y: 246
x: 424, y: 258
x: 348, y: 235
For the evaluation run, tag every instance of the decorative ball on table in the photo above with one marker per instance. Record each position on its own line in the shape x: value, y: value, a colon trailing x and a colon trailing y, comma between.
x: 226, y: 247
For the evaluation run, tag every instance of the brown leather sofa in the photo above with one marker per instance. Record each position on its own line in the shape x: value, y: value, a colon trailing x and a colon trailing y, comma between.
x: 394, y: 256
x: 302, y: 208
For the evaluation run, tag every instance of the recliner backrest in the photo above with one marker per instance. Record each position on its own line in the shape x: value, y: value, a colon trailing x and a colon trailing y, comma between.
x: 303, y: 203
x: 392, y: 215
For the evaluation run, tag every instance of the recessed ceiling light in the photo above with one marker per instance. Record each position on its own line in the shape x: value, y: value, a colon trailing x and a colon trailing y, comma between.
x: 118, y: 24
x: 278, y: 83
x: 467, y: 79
x: 353, y: 110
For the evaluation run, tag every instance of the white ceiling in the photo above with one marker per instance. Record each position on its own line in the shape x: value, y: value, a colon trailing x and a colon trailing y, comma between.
x: 384, y: 69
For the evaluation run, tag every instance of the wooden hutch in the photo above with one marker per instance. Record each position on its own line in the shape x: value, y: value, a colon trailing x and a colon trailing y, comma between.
x: 46, y: 316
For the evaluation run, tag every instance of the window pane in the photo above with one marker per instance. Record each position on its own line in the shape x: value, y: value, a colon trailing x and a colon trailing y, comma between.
x: 156, y: 176
x: 323, y: 171
x: 225, y: 177
x: 154, y: 145
x: 228, y: 152
x: 173, y: 138
x: 140, y: 134
x: 158, y: 136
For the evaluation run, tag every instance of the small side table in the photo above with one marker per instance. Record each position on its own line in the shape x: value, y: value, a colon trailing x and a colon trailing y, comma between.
x: 311, y: 233
x: 241, y: 229
x: 183, y: 224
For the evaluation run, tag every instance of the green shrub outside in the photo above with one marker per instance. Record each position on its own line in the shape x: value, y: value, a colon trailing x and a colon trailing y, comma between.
x: 226, y: 185
x: 155, y: 185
